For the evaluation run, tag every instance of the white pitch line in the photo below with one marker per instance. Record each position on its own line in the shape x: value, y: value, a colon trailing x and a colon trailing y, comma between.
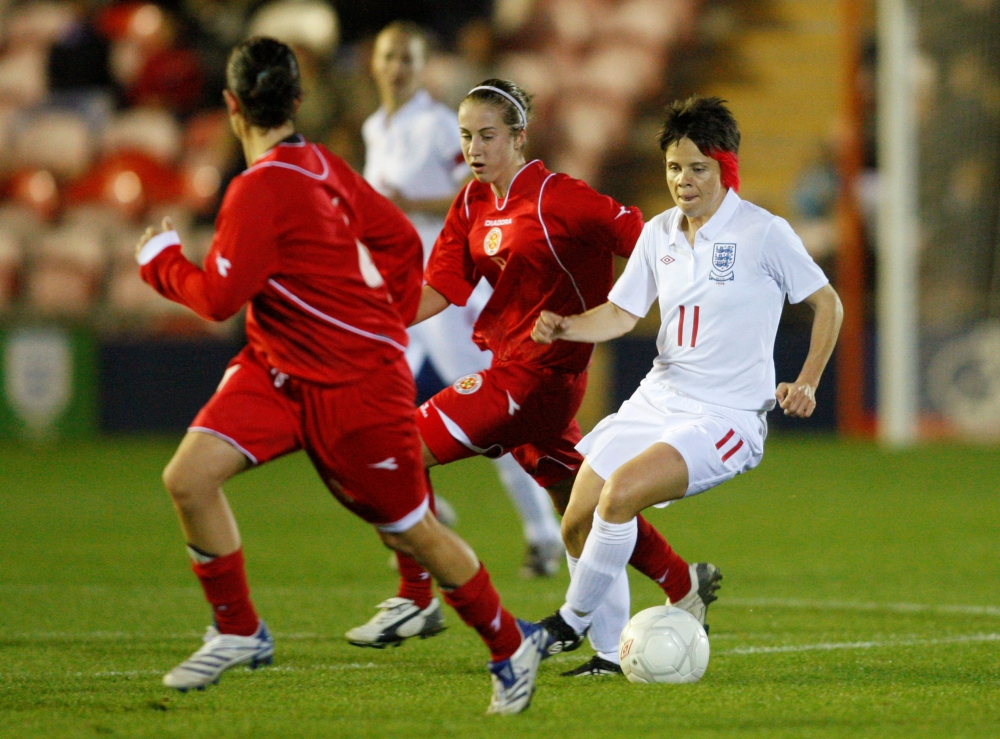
x: 735, y: 651
x: 145, y: 673
x: 837, y: 605
x: 967, y: 639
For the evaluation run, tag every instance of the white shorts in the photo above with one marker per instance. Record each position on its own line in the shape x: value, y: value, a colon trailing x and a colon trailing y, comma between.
x: 716, y: 443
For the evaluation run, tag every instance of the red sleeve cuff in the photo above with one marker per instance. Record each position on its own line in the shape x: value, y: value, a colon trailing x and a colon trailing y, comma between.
x: 150, y: 270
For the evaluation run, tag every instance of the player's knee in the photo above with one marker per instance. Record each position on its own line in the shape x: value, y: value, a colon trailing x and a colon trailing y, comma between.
x: 617, y: 501
x: 413, y: 541
x: 185, y: 489
x: 395, y: 541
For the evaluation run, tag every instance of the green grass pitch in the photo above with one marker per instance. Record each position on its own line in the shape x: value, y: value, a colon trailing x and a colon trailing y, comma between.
x: 860, y: 599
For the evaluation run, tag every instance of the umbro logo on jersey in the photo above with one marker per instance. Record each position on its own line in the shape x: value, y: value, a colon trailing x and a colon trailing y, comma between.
x: 668, y: 260
x: 223, y: 265
x: 385, y: 464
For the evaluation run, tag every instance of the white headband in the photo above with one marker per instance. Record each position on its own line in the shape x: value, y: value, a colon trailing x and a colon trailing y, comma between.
x: 520, y: 110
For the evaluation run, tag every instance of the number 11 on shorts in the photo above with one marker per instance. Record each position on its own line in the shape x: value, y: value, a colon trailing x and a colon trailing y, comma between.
x: 694, y: 326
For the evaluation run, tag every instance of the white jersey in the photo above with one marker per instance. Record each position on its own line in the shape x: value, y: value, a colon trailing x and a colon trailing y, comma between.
x: 417, y: 153
x: 720, y: 301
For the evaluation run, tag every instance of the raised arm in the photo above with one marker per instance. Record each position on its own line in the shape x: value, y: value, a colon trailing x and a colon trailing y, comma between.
x: 604, y: 322
x: 799, y: 398
x: 243, y: 255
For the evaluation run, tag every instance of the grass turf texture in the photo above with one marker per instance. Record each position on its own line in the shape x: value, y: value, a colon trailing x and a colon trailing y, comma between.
x: 821, y: 548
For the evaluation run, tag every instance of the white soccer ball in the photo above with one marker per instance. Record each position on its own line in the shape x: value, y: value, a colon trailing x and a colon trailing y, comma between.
x: 663, y: 644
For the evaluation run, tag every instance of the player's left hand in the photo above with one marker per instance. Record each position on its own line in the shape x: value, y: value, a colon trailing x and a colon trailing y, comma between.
x: 548, y: 327
x: 152, y: 231
x: 797, y: 399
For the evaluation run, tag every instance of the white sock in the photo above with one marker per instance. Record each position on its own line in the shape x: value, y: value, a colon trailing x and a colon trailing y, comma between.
x: 531, y: 500
x: 605, y: 555
x: 610, y: 618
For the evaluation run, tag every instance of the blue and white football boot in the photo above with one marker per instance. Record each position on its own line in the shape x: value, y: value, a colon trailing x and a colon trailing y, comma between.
x: 514, y: 678
x: 218, y: 654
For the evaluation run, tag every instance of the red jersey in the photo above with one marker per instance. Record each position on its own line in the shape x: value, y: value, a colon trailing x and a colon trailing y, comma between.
x: 547, y: 246
x: 332, y: 269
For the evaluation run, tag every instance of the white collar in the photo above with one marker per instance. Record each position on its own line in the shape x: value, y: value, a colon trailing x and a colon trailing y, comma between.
x: 714, y: 224
x: 506, y: 198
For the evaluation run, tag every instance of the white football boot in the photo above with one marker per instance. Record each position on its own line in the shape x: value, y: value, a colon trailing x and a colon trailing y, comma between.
x: 514, y: 678
x: 705, y: 580
x: 218, y: 654
x: 398, y: 619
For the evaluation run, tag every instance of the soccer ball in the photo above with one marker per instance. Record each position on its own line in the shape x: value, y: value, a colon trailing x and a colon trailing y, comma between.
x: 663, y: 645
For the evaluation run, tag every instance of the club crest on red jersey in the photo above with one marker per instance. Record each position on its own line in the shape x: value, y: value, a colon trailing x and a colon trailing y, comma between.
x: 492, y: 242
x: 469, y: 384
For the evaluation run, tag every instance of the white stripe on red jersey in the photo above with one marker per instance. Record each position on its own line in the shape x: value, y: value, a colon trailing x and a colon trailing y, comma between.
x: 288, y: 235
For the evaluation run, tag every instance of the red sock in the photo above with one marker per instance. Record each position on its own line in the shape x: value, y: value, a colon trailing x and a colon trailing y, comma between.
x: 654, y: 558
x: 224, y: 581
x: 478, y: 603
x: 414, y: 580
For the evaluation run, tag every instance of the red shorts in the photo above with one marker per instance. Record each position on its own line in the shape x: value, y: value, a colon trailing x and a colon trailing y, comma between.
x: 514, y: 408
x: 360, y: 436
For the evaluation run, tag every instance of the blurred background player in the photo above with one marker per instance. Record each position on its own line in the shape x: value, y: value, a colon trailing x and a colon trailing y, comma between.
x: 413, y: 156
x: 721, y: 269
x: 331, y: 270
x: 541, y: 240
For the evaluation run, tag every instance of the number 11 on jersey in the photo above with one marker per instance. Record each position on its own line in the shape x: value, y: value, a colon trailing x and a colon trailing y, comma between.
x: 694, y: 326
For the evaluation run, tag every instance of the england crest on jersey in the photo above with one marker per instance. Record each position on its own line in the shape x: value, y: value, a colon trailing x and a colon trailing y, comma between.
x: 723, y: 260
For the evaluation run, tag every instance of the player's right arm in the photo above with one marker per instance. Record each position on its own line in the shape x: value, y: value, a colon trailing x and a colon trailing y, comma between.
x: 431, y: 303
x: 243, y: 255
x: 451, y: 273
x: 628, y: 301
x: 602, y: 323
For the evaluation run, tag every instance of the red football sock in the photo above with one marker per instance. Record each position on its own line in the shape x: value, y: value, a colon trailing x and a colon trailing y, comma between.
x: 478, y: 604
x: 654, y: 558
x: 414, y: 580
x: 224, y: 581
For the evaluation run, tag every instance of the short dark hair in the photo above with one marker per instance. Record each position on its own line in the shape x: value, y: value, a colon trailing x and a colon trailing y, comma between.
x: 510, y: 115
x: 706, y: 121
x: 263, y: 74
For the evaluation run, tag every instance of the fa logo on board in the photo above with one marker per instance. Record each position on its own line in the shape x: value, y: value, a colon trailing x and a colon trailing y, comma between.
x: 723, y: 260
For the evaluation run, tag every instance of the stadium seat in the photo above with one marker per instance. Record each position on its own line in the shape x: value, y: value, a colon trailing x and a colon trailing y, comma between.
x: 22, y: 76
x: 152, y: 131
x: 55, y: 140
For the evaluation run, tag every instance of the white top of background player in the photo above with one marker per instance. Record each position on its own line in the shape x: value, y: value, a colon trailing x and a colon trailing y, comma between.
x: 721, y: 269
x: 413, y: 155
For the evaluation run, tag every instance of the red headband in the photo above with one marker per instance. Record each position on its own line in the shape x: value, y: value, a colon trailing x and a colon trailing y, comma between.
x: 729, y: 164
